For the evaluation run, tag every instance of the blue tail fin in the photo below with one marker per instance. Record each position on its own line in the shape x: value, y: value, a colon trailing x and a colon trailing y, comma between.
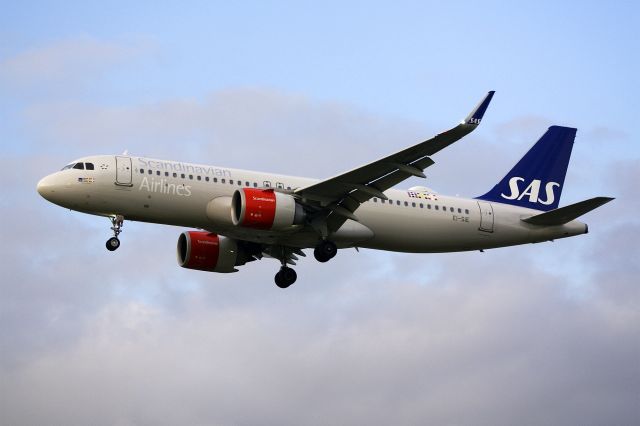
x: 536, y: 181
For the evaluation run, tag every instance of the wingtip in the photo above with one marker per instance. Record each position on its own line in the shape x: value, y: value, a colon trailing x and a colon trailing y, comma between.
x: 475, y: 117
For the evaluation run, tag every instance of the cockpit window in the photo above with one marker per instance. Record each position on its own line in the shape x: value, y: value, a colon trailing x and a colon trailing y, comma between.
x: 88, y: 166
x: 69, y: 166
x: 79, y: 166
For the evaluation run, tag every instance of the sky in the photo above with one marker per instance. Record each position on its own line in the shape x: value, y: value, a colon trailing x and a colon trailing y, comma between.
x: 538, y: 334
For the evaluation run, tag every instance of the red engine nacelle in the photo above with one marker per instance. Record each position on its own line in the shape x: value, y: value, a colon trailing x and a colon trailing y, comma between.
x: 207, y: 252
x: 265, y: 209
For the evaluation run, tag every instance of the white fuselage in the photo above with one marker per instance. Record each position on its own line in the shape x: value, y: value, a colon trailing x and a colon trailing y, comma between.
x: 176, y: 193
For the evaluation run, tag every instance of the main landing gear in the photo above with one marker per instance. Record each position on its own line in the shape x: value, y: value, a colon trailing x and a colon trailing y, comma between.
x: 325, y: 251
x: 113, y: 243
x: 285, y: 277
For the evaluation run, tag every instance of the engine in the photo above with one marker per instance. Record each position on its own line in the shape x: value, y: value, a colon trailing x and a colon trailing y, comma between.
x: 210, y: 252
x: 265, y: 209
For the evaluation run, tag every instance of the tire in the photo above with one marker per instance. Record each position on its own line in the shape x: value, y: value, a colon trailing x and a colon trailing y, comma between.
x: 325, y: 251
x: 113, y: 243
x: 289, y: 276
x: 285, y: 277
x: 280, y: 280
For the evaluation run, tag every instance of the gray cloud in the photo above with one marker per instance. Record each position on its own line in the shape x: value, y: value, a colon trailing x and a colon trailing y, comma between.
x: 509, y: 347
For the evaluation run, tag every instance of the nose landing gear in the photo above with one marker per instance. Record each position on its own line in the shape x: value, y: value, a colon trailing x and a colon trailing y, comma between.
x: 113, y: 243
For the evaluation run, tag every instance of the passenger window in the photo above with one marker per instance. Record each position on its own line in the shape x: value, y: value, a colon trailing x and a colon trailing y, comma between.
x: 166, y: 174
x: 79, y: 166
x: 466, y: 211
x: 215, y: 179
x: 206, y: 178
x: 375, y: 200
x: 175, y: 175
x: 199, y: 177
x: 239, y: 183
x: 398, y: 202
x: 222, y: 181
x: 413, y: 204
x: 266, y: 184
x: 451, y: 209
x: 191, y: 177
x: 288, y: 188
x: 279, y: 185
x: 444, y: 209
x: 421, y: 205
x: 437, y: 208
x: 230, y: 181
x: 182, y: 175
x: 429, y: 206
x: 158, y: 173
x: 247, y: 184
x: 88, y: 166
x: 406, y: 204
x: 150, y: 171
x: 459, y: 210
x: 255, y: 184
x: 142, y: 171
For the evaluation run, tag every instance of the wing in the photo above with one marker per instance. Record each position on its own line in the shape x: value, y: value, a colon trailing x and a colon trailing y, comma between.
x: 340, y: 196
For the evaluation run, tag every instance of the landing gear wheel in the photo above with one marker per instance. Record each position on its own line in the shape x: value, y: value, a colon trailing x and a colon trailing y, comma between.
x: 116, y: 221
x: 113, y: 243
x: 285, y: 277
x: 325, y: 251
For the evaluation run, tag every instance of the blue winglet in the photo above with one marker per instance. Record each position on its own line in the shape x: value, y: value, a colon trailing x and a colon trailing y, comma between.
x: 478, y: 112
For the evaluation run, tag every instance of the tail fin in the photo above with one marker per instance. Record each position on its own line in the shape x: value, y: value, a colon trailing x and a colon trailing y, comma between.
x: 536, y: 181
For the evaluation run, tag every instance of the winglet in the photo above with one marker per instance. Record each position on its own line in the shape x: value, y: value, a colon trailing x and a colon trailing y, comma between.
x: 478, y: 112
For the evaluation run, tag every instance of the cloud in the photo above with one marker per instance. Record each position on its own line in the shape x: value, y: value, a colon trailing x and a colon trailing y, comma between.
x: 461, y: 350
x: 245, y: 128
x: 66, y: 63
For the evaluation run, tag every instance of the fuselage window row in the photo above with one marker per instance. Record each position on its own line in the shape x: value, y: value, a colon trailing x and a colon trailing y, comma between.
x: 421, y: 205
x: 90, y: 166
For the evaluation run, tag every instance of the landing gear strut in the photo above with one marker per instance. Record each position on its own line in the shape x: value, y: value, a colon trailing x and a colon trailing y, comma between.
x: 325, y: 251
x: 113, y: 243
x: 285, y: 277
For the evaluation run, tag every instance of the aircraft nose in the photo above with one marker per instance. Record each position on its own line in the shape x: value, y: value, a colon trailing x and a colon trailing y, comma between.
x: 46, y: 188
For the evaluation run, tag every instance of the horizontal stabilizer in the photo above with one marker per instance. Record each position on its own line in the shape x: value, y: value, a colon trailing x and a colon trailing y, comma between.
x: 568, y: 213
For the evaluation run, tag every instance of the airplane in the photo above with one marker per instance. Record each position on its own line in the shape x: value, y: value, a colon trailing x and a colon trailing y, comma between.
x: 242, y: 216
